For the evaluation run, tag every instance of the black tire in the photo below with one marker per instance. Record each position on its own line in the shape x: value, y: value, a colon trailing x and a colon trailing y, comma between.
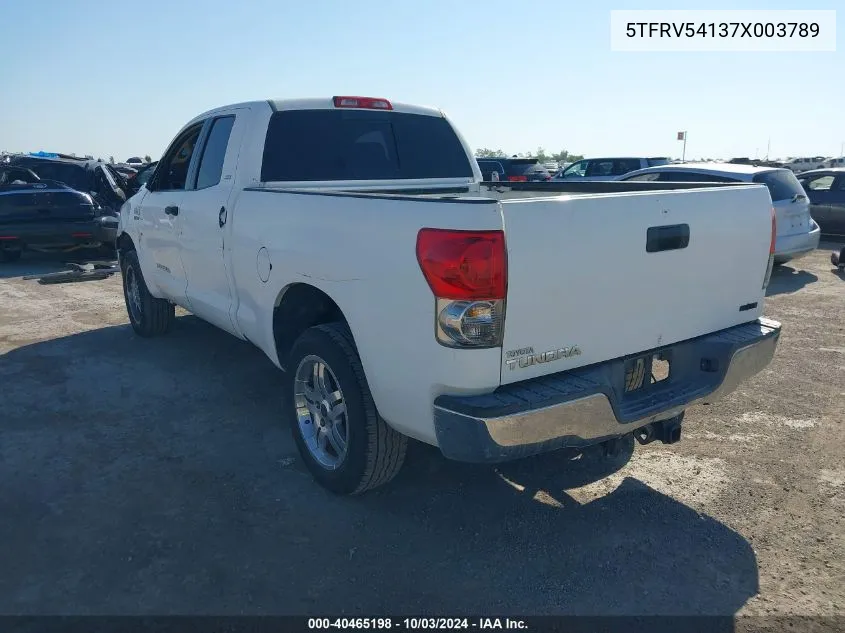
x: 9, y: 256
x: 153, y: 317
x: 375, y: 452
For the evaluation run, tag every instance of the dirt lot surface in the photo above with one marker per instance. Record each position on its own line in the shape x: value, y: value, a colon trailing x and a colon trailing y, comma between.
x: 155, y: 476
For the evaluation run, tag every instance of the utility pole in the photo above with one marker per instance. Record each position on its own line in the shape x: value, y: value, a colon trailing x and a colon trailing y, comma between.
x: 768, y: 147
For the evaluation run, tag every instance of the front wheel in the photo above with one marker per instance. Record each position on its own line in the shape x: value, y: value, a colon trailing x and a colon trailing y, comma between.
x: 149, y: 316
x: 344, y: 443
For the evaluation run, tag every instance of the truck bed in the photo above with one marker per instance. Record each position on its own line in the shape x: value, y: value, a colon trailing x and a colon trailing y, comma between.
x: 613, y: 268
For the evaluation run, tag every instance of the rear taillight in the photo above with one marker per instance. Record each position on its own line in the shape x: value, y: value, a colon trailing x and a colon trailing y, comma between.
x: 518, y: 178
x: 467, y: 273
x: 369, y: 103
x: 770, y: 266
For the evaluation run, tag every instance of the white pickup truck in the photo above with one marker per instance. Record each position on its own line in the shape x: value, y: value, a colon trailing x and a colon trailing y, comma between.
x: 352, y: 241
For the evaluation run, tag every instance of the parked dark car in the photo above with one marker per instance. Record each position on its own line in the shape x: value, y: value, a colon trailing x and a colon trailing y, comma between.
x: 106, y: 186
x: 513, y: 169
x: 755, y: 162
x: 826, y: 190
x: 143, y: 175
x: 47, y: 215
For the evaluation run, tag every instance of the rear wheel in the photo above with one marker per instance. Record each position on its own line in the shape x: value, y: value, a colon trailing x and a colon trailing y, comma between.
x: 149, y: 316
x: 344, y: 443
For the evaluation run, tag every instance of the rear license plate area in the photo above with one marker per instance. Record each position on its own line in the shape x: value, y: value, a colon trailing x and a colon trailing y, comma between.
x: 646, y: 371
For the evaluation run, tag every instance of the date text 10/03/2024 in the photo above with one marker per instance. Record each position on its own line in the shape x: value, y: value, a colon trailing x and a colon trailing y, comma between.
x: 416, y: 623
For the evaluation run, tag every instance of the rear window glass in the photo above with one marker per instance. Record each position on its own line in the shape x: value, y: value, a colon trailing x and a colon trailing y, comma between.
x: 656, y: 162
x: 73, y: 176
x: 782, y: 184
x: 308, y: 145
x: 523, y: 167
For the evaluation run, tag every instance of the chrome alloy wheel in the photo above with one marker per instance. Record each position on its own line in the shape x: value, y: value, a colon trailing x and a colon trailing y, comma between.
x: 321, y: 412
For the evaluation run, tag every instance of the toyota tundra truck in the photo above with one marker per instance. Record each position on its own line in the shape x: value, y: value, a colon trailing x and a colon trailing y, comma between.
x: 353, y: 241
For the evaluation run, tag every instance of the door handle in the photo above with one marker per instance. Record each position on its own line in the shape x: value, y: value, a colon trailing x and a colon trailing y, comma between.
x: 221, y: 218
x: 667, y: 238
x: 171, y: 210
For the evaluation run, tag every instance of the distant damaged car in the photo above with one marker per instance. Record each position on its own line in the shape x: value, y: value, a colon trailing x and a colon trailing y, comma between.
x: 49, y: 216
x: 101, y: 181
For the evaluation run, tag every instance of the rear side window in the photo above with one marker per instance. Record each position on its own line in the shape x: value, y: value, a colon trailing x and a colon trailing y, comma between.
x: 308, y: 145
x: 782, y: 184
x: 656, y: 162
x: 822, y: 183
x: 624, y: 165
x: 600, y: 168
x: 211, y: 165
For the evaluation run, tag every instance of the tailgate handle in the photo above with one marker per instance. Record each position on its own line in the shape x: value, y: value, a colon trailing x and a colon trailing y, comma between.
x: 667, y: 238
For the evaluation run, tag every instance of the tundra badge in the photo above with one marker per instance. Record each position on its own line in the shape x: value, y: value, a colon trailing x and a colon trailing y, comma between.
x: 525, y: 356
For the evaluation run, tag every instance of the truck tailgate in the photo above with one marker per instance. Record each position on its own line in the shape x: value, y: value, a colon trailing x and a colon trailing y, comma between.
x: 592, y: 278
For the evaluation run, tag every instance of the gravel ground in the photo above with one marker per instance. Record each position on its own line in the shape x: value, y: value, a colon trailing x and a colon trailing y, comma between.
x: 155, y: 477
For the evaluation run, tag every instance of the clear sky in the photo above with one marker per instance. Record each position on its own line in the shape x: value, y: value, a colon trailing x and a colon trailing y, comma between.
x: 120, y: 78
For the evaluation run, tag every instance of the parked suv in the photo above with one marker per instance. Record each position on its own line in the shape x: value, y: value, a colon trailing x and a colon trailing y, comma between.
x: 513, y: 169
x: 798, y: 165
x: 606, y: 168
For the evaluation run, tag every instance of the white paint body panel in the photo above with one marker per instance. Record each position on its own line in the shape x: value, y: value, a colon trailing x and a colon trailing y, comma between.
x: 578, y: 270
x: 579, y: 273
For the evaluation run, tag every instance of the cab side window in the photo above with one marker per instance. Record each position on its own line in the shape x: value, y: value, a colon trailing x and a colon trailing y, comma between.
x: 624, y: 165
x: 172, y: 173
x: 822, y: 183
x: 214, y: 152
x: 600, y: 168
x: 577, y: 170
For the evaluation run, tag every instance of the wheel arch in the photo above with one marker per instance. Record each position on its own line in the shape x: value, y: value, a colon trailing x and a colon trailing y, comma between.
x: 124, y: 243
x: 299, y: 306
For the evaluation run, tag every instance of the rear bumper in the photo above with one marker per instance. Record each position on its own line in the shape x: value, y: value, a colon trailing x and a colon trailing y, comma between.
x: 790, y: 247
x: 589, y: 405
x: 102, y: 230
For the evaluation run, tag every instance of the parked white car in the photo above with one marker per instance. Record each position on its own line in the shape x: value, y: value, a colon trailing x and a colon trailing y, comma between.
x: 352, y: 240
x: 833, y: 163
x: 797, y: 232
x: 797, y: 165
x: 606, y: 168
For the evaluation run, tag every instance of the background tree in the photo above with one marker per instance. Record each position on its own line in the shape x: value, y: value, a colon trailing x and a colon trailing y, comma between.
x: 111, y: 160
x: 540, y: 154
x: 489, y: 153
x: 147, y: 159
